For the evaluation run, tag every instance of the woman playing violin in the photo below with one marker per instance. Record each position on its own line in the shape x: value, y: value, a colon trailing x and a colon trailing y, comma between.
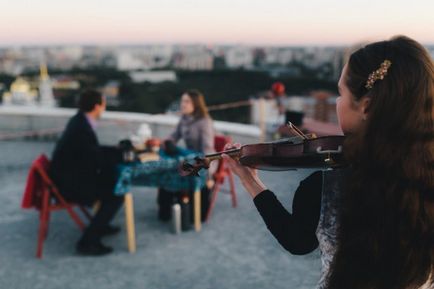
x: 374, y: 219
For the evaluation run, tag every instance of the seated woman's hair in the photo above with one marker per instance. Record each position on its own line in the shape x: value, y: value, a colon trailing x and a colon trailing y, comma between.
x: 200, y: 109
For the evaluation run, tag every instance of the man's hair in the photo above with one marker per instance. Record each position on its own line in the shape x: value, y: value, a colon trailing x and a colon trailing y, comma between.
x: 88, y: 99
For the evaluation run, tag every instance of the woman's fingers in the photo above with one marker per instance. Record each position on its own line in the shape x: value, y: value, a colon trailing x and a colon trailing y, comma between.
x: 248, y: 176
x: 230, y: 146
x: 233, y: 164
x: 230, y: 161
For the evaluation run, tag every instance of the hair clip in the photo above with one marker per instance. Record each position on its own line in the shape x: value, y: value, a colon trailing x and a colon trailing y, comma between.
x: 378, y: 74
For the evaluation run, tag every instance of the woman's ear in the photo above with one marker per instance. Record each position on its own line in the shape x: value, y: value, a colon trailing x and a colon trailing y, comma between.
x: 364, y: 104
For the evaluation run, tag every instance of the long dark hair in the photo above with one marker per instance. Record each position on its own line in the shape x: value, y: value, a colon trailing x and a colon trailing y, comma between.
x: 200, y: 109
x: 385, y: 237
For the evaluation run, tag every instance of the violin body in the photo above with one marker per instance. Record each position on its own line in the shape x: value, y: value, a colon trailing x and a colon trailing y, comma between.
x: 321, y: 152
x: 287, y: 154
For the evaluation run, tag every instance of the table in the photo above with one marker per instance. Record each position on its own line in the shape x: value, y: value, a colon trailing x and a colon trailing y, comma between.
x: 158, y: 173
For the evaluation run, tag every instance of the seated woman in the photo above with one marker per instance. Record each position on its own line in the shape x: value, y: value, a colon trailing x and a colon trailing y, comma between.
x: 196, y: 129
x: 195, y: 126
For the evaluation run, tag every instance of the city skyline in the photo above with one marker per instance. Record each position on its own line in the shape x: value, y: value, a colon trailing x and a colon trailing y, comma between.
x: 271, y: 23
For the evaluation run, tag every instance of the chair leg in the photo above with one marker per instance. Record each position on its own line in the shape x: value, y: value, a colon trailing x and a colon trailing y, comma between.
x: 43, y: 224
x: 213, y: 199
x: 41, y: 236
x: 232, y: 188
x: 47, y: 224
x: 75, y: 217
x: 69, y: 209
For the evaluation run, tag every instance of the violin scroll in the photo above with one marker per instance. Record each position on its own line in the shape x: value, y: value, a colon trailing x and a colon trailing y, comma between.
x: 192, y: 169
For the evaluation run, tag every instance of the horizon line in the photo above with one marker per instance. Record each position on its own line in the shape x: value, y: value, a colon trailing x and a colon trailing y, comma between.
x: 188, y: 43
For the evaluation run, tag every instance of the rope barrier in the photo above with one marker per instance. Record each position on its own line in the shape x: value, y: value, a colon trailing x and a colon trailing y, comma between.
x: 229, y: 105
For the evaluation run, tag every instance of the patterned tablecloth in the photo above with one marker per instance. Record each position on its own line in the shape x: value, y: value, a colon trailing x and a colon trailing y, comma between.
x: 161, y: 173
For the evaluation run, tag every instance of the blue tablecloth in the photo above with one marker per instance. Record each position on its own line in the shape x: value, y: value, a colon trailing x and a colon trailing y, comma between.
x: 162, y: 173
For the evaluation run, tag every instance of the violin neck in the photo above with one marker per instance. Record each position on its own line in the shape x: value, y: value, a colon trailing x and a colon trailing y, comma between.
x: 216, y: 156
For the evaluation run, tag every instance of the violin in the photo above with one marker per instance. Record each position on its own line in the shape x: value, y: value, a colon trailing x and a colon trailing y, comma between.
x: 300, y: 151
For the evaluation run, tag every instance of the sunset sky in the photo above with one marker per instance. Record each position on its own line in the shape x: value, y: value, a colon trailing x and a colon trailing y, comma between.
x: 272, y: 22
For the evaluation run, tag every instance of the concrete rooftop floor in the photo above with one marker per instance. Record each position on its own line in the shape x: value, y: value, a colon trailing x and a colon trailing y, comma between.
x: 235, y: 250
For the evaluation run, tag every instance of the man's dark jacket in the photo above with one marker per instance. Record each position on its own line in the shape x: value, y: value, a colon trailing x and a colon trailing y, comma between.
x: 82, y: 169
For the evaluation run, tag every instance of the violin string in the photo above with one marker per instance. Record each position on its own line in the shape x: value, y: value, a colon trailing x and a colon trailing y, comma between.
x: 299, y: 130
x: 291, y: 127
x: 296, y: 130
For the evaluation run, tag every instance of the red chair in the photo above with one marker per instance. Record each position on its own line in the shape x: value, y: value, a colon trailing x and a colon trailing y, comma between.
x: 222, y: 173
x: 41, y: 193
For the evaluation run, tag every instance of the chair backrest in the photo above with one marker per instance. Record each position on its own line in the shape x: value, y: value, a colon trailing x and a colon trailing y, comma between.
x: 37, y: 181
x: 219, y: 143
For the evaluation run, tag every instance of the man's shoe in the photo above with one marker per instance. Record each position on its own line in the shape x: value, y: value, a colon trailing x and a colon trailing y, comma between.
x: 109, y: 230
x: 93, y: 249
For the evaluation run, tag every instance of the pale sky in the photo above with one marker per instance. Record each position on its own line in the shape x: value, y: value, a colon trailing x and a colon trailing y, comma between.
x: 264, y: 22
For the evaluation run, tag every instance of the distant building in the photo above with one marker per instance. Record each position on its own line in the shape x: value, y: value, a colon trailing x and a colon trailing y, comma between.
x: 24, y: 92
x: 11, y: 66
x: 280, y: 56
x: 153, y: 76
x: 158, y: 56
x: 111, y: 93
x: 21, y: 93
x: 62, y: 57
x: 127, y: 61
x: 65, y: 83
x: 193, y: 61
x: 142, y: 57
x: 239, y: 57
x: 46, y: 97
x: 324, y: 61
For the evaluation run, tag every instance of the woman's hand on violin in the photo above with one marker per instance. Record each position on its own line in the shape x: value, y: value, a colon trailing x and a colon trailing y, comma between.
x: 248, y: 176
x: 240, y: 170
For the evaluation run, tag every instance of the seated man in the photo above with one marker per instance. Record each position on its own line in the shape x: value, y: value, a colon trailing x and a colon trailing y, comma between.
x: 85, y: 172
